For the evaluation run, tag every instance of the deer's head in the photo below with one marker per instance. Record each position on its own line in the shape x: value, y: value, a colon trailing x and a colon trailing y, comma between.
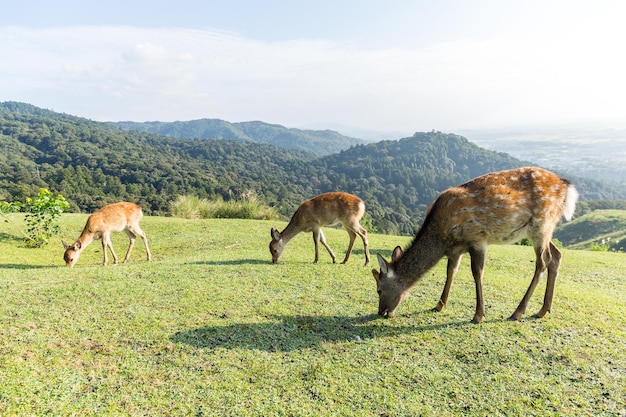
x: 277, y: 245
x: 390, y: 291
x: 72, y: 252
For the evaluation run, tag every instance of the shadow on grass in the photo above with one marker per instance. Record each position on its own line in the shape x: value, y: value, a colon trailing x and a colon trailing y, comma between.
x: 233, y: 262
x: 26, y: 266
x: 267, y: 262
x: 5, y: 237
x: 287, y: 333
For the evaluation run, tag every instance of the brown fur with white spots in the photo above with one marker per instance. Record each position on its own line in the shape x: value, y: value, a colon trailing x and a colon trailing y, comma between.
x: 112, y: 218
x: 324, y: 210
x: 496, y: 208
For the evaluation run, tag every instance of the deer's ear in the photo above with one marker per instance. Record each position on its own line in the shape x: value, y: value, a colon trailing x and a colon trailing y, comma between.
x: 397, y: 254
x: 65, y: 245
x: 376, y: 276
x: 275, y: 234
x: 382, y: 263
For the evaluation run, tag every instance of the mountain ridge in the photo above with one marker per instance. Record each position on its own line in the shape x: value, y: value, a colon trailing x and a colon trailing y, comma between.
x: 94, y: 163
x: 320, y: 142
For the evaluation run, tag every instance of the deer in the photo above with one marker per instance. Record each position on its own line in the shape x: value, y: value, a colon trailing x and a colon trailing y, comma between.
x: 495, y: 208
x: 324, y: 210
x: 111, y: 218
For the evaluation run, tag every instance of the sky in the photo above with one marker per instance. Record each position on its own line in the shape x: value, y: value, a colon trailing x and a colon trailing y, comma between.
x: 357, y: 66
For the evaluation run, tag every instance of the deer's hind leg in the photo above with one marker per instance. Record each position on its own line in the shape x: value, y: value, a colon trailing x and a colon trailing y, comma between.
x: 352, y: 235
x: 543, y: 259
x: 366, y: 246
x: 136, y: 230
x: 553, y: 273
x: 132, y: 238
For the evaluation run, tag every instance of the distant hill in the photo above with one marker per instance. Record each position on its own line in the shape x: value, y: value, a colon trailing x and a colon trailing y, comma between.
x: 600, y: 227
x: 320, y: 142
x: 94, y: 163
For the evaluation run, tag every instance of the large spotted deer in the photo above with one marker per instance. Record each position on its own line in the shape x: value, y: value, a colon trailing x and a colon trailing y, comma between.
x: 112, y: 218
x: 324, y: 210
x: 496, y: 208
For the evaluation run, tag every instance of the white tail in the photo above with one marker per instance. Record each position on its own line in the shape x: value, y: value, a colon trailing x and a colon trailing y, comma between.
x: 324, y: 210
x: 501, y: 207
x: 112, y: 218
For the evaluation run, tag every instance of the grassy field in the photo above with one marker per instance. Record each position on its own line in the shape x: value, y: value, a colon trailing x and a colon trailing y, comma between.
x: 211, y: 328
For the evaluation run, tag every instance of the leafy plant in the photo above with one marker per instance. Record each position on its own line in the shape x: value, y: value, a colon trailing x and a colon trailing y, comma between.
x: 42, y: 216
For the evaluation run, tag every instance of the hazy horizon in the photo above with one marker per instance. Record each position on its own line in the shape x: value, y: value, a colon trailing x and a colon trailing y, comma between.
x: 366, y: 66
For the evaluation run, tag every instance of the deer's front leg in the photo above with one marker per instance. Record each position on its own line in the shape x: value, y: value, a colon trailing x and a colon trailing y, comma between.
x: 322, y: 238
x: 130, y: 248
x: 453, y: 267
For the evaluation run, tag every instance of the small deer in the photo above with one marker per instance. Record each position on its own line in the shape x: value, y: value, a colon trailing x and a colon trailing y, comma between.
x: 112, y: 218
x: 496, y: 208
x: 324, y: 210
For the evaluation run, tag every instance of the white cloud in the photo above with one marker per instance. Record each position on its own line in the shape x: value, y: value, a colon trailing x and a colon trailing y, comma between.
x: 128, y: 73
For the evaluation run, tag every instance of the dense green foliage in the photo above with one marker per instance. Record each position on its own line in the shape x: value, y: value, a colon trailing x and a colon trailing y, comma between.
x: 588, y: 206
x: 398, y: 179
x: 93, y: 164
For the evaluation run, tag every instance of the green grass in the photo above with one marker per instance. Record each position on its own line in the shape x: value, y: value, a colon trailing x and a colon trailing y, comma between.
x: 211, y: 328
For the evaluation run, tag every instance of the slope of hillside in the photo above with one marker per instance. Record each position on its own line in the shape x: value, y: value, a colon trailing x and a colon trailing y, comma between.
x: 601, y: 227
x: 93, y: 163
x: 320, y: 142
x: 400, y: 178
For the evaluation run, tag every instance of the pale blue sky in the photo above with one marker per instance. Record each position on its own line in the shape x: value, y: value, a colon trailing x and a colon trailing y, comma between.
x: 387, y: 66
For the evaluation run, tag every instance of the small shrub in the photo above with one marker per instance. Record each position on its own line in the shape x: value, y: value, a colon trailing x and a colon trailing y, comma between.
x: 526, y: 242
x: 188, y: 207
x: 598, y: 247
x: 191, y: 207
x: 368, y: 224
x: 42, y: 216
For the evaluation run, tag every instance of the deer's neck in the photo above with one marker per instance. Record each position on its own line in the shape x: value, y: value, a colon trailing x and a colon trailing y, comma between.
x: 423, y: 254
x: 292, y: 229
x: 85, y: 238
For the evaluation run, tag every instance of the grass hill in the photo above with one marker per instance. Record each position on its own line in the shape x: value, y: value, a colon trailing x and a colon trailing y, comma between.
x: 600, y: 229
x: 210, y: 327
x: 320, y: 142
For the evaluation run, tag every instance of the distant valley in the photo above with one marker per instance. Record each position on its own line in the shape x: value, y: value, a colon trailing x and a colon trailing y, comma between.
x: 598, y: 154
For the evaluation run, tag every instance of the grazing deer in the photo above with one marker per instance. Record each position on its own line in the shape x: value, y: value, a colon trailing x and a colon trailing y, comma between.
x: 112, y: 218
x: 500, y: 207
x: 323, y: 210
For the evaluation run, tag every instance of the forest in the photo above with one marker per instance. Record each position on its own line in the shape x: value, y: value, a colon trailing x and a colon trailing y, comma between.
x: 92, y: 164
